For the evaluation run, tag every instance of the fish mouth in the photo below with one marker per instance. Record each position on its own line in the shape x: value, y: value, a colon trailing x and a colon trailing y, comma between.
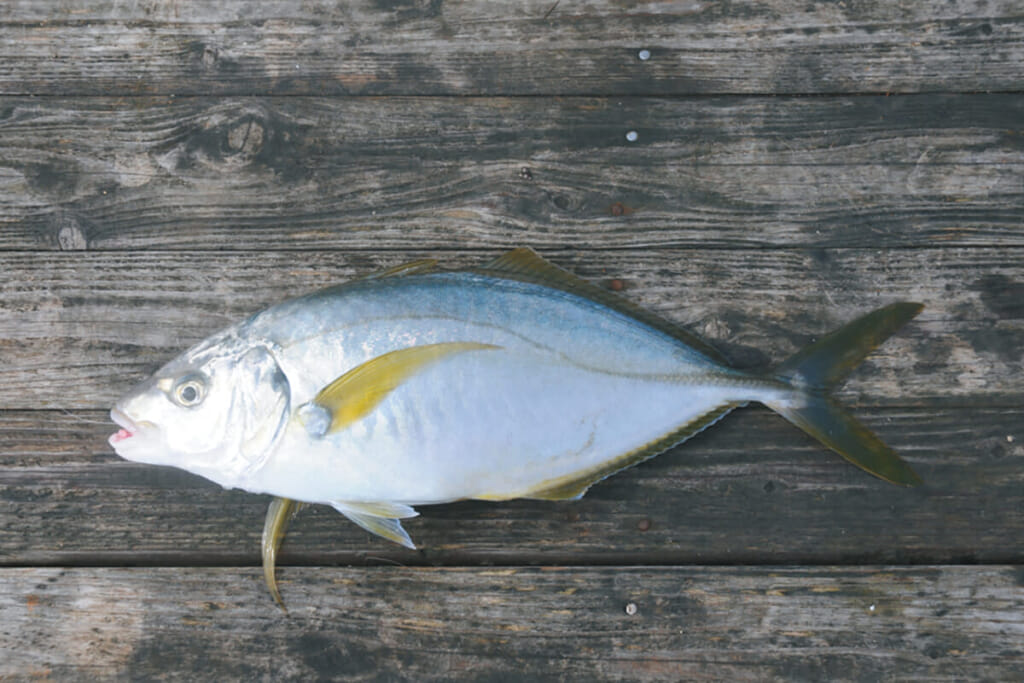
x: 129, y: 428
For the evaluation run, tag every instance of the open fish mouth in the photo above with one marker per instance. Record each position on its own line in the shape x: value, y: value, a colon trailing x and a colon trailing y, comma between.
x: 128, y: 427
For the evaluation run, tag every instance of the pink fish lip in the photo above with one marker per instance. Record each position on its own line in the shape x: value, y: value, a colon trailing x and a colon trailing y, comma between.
x: 128, y: 427
x: 121, y: 435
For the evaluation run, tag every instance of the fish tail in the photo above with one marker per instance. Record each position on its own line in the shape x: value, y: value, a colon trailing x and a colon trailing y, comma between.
x: 819, y: 367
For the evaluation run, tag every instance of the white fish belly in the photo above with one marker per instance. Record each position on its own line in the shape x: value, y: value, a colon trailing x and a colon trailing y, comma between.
x: 490, y: 424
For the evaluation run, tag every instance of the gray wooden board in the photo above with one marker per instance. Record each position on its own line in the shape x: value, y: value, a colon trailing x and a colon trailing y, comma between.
x: 390, y: 173
x: 167, y: 168
x: 78, y: 329
x: 494, y: 47
x: 752, y: 489
x: 931, y: 623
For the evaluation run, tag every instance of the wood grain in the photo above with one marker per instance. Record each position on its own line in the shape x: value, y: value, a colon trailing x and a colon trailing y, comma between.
x: 169, y: 167
x: 753, y: 489
x: 434, y: 173
x: 932, y: 623
x: 78, y: 329
x: 490, y: 47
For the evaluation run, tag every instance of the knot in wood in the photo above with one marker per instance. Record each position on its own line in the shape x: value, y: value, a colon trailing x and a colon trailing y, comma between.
x: 246, y: 137
x: 209, y: 57
x: 70, y: 235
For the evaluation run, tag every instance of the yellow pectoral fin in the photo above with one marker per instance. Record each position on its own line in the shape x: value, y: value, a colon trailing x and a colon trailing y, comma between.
x: 358, y: 391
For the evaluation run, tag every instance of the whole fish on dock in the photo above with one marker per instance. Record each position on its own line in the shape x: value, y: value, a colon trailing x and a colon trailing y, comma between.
x: 418, y: 385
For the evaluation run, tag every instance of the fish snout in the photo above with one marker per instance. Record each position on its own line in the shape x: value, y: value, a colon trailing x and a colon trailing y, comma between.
x: 129, y: 430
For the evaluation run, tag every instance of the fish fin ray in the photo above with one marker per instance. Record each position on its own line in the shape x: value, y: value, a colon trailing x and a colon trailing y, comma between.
x: 574, y: 490
x: 814, y: 370
x: 575, y: 487
x: 526, y: 265
x: 380, y: 509
x: 357, y: 392
x: 418, y: 267
x: 835, y: 427
x: 279, y: 513
x: 385, y: 527
x: 826, y: 362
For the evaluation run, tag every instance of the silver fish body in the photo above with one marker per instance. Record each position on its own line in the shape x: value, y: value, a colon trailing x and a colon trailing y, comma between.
x: 563, y: 387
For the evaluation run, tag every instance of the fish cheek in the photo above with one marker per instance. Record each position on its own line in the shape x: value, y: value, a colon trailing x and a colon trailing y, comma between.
x: 263, y: 405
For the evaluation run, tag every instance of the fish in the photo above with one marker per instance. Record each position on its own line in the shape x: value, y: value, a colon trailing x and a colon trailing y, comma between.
x: 419, y: 385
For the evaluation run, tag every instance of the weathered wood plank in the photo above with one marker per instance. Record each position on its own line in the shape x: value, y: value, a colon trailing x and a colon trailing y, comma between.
x: 494, y: 47
x: 381, y: 173
x: 77, y: 329
x: 751, y: 490
x: 934, y: 623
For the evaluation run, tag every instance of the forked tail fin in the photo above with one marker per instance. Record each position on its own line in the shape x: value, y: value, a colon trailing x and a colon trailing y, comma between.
x: 815, y: 370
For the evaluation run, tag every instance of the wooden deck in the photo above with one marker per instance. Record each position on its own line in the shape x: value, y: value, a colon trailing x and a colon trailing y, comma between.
x: 166, y: 168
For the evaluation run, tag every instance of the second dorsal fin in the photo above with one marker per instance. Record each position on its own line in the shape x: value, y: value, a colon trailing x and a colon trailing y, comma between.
x: 526, y: 265
x: 419, y: 267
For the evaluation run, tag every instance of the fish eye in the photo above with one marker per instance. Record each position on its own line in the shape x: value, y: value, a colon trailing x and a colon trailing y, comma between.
x: 189, y: 392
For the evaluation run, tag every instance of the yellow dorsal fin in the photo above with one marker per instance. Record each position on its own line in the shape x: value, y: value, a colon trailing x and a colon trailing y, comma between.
x: 358, y: 391
x: 526, y: 265
x: 418, y: 267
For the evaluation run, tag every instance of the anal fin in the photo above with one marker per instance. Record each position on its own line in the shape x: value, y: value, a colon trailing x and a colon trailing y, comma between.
x: 574, y: 488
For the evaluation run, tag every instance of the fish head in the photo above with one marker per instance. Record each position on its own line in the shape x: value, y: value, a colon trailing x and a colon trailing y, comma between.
x: 217, y: 411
